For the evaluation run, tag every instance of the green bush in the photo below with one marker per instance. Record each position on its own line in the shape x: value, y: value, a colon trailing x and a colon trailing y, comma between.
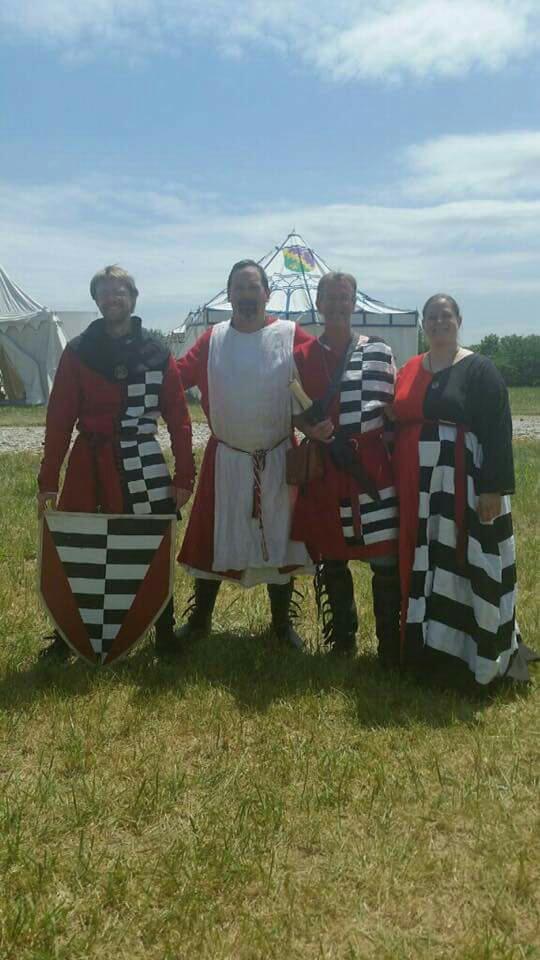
x: 516, y: 357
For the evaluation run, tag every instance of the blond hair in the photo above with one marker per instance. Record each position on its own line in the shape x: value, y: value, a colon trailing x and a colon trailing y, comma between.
x: 117, y: 273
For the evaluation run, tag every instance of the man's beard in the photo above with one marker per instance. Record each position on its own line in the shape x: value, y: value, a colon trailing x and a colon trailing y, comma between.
x: 248, y: 308
x: 116, y: 318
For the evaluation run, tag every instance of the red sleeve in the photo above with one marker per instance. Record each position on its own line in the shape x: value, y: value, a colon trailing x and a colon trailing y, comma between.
x: 175, y: 413
x: 301, y: 336
x: 62, y: 411
x: 194, y: 363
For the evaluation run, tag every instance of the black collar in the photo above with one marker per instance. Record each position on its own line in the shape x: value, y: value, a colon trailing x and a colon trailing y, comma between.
x: 122, y: 358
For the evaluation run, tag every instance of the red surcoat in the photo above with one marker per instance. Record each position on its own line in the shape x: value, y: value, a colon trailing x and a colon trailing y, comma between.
x: 83, y: 397
x: 198, y: 546
x: 317, y: 521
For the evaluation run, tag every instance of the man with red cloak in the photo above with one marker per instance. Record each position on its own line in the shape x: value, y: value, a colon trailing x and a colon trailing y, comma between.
x: 113, y: 382
x: 351, y: 512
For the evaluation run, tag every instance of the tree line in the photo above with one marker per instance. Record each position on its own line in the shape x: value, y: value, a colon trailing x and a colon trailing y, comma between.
x: 517, y: 358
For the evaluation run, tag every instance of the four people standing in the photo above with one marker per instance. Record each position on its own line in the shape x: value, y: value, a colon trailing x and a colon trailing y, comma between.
x: 452, y: 467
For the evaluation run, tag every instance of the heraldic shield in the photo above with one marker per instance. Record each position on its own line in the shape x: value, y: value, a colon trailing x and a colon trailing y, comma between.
x: 105, y: 578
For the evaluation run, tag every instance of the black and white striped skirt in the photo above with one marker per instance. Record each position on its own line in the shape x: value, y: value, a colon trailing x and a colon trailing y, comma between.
x: 465, y: 609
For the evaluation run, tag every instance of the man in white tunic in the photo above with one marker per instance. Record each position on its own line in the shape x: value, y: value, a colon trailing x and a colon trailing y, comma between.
x: 239, y: 528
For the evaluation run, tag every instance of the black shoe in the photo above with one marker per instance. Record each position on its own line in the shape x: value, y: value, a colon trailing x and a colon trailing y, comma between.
x: 57, y: 651
x: 290, y: 638
x: 167, y: 645
x: 199, y: 612
x: 342, y: 646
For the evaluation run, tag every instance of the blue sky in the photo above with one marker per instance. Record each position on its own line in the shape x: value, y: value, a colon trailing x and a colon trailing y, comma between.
x: 400, y: 137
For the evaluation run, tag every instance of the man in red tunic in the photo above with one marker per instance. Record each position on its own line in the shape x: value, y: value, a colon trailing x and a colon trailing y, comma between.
x: 239, y: 528
x: 114, y: 381
x: 351, y: 513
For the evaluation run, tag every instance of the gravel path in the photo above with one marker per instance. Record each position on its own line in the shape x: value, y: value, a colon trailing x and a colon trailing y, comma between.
x: 19, y: 439
x: 528, y: 427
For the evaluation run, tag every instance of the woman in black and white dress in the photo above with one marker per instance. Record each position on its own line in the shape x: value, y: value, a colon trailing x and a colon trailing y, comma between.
x: 454, y: 473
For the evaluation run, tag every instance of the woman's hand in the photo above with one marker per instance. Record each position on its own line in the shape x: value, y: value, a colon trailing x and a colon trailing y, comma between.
x: 489, y: 506
x: 46, y: 501
x: 321, y: 431
x: 388, y: 411
x: 182, y: 497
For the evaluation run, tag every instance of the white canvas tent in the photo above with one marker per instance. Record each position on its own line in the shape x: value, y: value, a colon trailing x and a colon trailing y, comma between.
x: 73, y: 322
x: 294, y: 271
x: 31, y: 342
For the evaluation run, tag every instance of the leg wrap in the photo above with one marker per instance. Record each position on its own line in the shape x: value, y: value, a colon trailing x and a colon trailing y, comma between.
x: 280, y: 596
x: 335, y: 602
x: 165, y: 621
x: 199, y: 610
x: 284, y: 609
x: 386, y: 607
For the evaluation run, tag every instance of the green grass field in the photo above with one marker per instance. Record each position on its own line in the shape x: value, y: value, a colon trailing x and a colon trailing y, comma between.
x: 22, y: 416
x: 251, y: 802
x: 525, y: 401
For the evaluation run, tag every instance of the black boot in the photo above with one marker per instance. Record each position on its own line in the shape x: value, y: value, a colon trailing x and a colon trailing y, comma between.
x: 57, y: 651
x: 335, y: 601
x: 387, y: 608
x: 166, y: 644
x: 199, y: 611
x: 281, y: 607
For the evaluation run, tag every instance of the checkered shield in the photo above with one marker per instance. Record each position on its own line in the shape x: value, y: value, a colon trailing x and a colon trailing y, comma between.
x: 105, y: 579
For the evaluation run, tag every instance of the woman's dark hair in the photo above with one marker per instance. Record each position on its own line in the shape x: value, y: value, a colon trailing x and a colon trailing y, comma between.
x: 241, y: 266
x: 441, y: 296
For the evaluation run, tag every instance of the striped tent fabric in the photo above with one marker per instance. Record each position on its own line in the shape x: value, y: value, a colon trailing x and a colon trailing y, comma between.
x: 467, y: 611
x: 148, y: 480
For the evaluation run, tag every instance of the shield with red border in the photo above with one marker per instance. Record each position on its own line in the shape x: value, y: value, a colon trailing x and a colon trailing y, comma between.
x: 105, y: 579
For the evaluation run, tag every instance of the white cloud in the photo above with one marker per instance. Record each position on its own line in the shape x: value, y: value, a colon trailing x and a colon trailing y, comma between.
x: 180, y: 249
x: 483, y: 165
x: 424, y: 37
x: 345, y: 40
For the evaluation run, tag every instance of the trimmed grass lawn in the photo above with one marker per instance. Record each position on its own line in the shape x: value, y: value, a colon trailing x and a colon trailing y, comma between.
x: 252, y: 802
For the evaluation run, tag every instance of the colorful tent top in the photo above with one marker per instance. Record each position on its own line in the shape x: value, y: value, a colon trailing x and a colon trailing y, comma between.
x: 294, y: 270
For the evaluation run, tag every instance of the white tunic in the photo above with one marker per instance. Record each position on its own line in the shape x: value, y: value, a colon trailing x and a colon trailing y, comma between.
x: 250, y: 410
